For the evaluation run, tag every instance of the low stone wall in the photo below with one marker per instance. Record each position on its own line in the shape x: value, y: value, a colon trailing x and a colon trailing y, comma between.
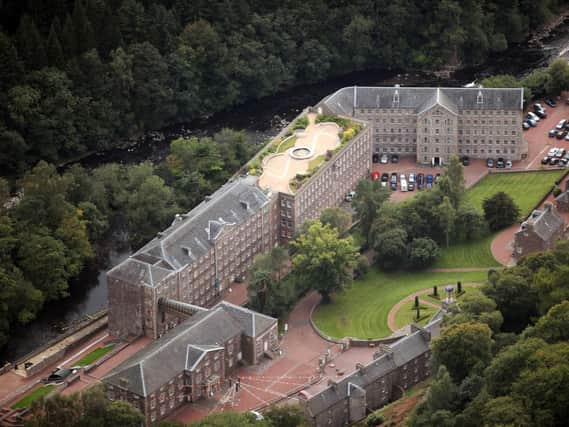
x: 357, y: 342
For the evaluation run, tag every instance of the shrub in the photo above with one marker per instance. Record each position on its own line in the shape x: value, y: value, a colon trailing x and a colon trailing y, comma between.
x: 556, y: 191
x: 300, y: 123
x: 363, y: 266
x: 423, y: 251
x: 374, y: 419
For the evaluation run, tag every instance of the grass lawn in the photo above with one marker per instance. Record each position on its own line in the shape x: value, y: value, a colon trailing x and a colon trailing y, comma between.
x: 408, y: 314
x: 475, y: 253
x: 95, y: 355
x: 285, y: 145
x: 361, y: 310
x: 28, y: 399
x: 526, y: 188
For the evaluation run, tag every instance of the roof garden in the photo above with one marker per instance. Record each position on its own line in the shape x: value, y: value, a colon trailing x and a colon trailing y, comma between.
x: 284, y: 165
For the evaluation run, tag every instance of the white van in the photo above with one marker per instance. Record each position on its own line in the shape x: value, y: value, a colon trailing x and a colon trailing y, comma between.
x: 403, y: 185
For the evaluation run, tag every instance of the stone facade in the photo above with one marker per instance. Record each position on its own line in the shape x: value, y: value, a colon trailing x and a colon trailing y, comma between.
x: 192, y: 361
x: 433, y: 124
x: 562, y: 200
x: 393, y: 370
x: 540, y: 232
x: 192, y: 261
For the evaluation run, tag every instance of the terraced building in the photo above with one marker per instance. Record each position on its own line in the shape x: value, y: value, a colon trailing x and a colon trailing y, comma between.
x: 433, y: 124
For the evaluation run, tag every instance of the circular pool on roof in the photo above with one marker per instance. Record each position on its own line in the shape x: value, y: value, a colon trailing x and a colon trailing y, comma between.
x: 301, y: 153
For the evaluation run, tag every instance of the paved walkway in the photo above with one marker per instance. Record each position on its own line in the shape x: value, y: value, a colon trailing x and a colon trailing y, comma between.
x: 391, y: 316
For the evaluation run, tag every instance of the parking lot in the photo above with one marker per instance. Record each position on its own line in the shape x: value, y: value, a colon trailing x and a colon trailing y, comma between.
x: 537, y: 140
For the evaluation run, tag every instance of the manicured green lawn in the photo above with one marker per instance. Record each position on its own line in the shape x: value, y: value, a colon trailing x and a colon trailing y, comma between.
x: 408, y: 314
x: 475, y: 253
x: 287, y: 144
x: 361, y: 310
x: 28, y: 399
x: 526, y: 188
x: 95, y: 355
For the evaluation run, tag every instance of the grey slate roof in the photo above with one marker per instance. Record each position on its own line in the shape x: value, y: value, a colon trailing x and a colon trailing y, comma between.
x: 546, y: 223
x: 252, y: 323
x: 419, y: 99
x: 402, y: 351
x: 180, y: 348
x: 191, y: 235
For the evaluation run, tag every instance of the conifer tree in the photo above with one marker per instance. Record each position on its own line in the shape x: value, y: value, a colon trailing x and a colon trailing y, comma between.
x: 67, y: 38
x: 84, y: 35
x: 30, y: 44
x: 54, y: 50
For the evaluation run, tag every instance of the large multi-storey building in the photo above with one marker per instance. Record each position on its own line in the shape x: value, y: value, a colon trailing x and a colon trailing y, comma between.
x: 434, y: 124
x: 192, y: 261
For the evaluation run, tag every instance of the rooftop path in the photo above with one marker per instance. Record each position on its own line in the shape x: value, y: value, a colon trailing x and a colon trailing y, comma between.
x: 279, y: 169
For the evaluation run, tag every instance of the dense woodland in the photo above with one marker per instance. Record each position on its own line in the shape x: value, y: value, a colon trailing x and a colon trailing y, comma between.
x: 84, y: 75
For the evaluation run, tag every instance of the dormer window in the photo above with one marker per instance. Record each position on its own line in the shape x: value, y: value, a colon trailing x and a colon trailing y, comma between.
x: 396, y: 99
x: 479, y: 98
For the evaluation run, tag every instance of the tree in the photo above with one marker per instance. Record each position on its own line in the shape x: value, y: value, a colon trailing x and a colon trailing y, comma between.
x: 54, y: 51
x: 265, y: 277
x: 391, y: 249
x: 441, y: 396
x: 370, y: 195
x: 230, y: 419
x: 463, y: 348
x: 558, y: 72
x: 323, y: 260
x: 515, y: 298
x: 30, y: 44
x: 337, y: 218
x: 446, y: 214
x: 508, y: 364
x: 423, y: 252
x: 452, y: 183
x: 506, y: 411
x: 500, y: 211
x: 554, y: 326
x: 469, y: 223
x: 475, y: 307
x: 122, y: 414
x: 286, y: 416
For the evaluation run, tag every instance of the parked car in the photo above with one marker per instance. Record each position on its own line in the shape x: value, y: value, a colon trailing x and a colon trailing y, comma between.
x: 563, y: 162
x: 560, y: 153
x: 402, y: 177
x: 554, y: 161
x: 465, y: 160
x: 490, y: 163
x: 375, y: 158
x: 552, y: 133
x: 375, y: 175
x: 567, y: 137
x: 561, y: 124
x: 533, y: 116
x: 508, y: 164
x: 500, y: 163
x: 566, y: 156
x: 550, y: 102
x: 403, y: 185
x: 420, y: 181
x: 525, y: 126
x: 393, y: 186
x: 394, y: 158
x: 545, y: 160
x: 350, y: 196
x: 538, y: 107
x: 59, y: 375
x: 531, y: 122
x: 429, y: 181
x: 541, y: 114
x: 384, y: 177
x: 561, y: 135
x: 394, y: 177
x: 384, y: 159
x: 552, y: 151
x: 411, y: 182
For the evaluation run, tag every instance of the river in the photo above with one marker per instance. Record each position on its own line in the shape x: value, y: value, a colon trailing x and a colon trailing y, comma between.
x: 261, y: 120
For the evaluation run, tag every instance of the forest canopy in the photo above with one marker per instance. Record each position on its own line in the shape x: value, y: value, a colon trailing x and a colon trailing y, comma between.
x: 83, y: 75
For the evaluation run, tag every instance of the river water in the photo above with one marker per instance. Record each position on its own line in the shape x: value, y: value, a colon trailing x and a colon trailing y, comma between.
x: 261, y: 120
